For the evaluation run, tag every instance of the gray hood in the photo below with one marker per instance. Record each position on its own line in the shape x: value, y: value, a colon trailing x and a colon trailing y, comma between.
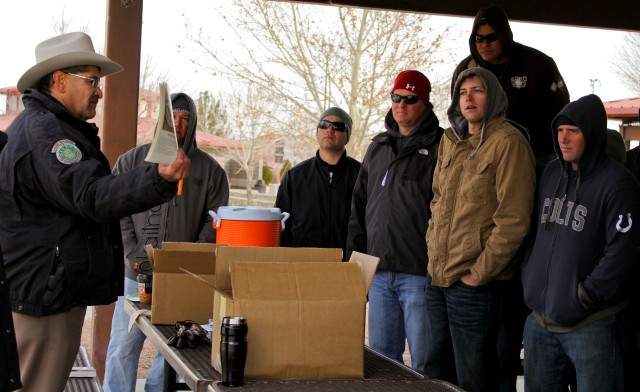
x: 190, y: 138
x: 496, y: 103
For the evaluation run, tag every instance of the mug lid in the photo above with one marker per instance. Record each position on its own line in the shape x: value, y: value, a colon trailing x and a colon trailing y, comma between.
x: 249, y: 213
x: 234, y: 321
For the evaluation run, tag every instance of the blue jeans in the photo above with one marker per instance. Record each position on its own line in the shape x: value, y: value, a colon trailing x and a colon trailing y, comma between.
x: 595, y: 350
x: 124, y: 352
x: 397, y: 310
x: 462, y: 339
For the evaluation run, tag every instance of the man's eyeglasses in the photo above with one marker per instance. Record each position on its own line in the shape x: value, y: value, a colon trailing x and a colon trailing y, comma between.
x: 489, y: 37
x: 337, y: 126
x: 408, y: 99
x: 95, y: 82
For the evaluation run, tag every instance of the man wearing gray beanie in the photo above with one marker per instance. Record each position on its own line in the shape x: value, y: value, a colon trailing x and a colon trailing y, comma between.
x: 317, y: 192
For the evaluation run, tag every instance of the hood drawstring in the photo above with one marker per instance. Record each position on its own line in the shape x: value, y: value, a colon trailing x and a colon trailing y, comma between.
x: 553, y: 199
x: 475, y: 151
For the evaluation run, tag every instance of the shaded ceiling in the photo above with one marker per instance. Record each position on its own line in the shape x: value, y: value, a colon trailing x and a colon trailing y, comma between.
x: 618, y: 15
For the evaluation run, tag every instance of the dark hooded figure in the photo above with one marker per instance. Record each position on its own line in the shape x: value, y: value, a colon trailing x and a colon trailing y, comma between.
x: 185, y: 218
x: 576, y: 280
x: 535, y: 89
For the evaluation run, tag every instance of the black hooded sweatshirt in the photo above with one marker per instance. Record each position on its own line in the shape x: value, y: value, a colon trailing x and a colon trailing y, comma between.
x: 587, y: 230
x: 534, y: 87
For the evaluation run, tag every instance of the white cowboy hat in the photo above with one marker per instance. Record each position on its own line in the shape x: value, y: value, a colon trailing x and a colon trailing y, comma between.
x: 66, y: 50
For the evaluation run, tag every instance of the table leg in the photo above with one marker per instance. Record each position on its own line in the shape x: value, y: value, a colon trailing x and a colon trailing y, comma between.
x: 169, y: 378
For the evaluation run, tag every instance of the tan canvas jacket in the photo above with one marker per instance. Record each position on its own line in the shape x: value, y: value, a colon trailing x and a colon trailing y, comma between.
x: 482, y: 204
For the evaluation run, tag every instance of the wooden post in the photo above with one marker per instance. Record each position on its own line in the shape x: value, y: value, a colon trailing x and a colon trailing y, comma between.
x: 122, y: 44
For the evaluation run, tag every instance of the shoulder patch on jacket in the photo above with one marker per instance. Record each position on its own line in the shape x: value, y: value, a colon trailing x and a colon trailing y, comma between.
x: 66, y: 151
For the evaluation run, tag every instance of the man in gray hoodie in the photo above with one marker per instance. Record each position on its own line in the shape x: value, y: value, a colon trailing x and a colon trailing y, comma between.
x: 183, y: 219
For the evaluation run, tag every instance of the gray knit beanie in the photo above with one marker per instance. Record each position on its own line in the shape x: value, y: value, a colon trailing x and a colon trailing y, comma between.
x: 344, y: 116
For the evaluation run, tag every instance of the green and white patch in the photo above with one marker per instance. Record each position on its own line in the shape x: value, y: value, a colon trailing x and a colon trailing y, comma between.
x: 67, y: 152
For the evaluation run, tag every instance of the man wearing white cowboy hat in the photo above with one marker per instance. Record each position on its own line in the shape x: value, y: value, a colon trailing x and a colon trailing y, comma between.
x: 60, y: 207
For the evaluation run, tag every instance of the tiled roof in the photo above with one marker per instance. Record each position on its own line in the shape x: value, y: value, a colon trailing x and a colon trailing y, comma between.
x: 5, y: 121
x: 623, y: 108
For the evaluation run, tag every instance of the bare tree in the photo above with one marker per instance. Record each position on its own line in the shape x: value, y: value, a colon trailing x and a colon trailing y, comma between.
x: 251, y: 135
x: 627, y: 63
x: 306, y: 63
x: 151, y: 75
x: 62, y: 25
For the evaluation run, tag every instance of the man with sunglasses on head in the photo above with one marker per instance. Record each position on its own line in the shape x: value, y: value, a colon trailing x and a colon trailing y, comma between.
x: 60, y: 207
x: 536, y: 92
x: 389, y: 216
x: 317, y: 192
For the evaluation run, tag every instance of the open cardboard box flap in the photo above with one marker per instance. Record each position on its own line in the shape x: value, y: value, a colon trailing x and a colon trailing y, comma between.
x: 175, y: 296
x: 279, y: 280
x: 225, y: 255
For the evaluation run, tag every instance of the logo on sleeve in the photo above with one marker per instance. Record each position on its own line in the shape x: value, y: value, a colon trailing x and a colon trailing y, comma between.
x: 627, y: 226
x: 66, y: 152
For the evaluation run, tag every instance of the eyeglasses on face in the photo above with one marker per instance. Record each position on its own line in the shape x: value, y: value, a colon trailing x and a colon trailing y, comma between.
x: 492, y: 37
x: 337, y: 126
x: 94, y: 82
x: 408, y: 99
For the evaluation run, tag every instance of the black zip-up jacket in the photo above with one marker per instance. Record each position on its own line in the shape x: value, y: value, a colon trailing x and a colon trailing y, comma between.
x: 390, y: 208
x: 534, y: 86
x: 587, y: 231
x: 60, y: 209
x: 319, y: 201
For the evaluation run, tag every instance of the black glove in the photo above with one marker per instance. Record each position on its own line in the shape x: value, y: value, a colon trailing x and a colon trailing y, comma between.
x: 188, y: 333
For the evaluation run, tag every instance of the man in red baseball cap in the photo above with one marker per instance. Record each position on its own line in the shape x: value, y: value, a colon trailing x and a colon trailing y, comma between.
x: 389, y: 215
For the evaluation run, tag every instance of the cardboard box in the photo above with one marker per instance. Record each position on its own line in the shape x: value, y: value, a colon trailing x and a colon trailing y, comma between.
x: 225, y: 255
x: 306, y: 319
x: 175, y: 294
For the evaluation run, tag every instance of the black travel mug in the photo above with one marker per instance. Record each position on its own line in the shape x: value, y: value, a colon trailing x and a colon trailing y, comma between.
x: 233, y: 350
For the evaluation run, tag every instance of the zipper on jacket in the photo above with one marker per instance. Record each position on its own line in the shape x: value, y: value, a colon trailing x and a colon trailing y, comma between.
x: 330, y: 177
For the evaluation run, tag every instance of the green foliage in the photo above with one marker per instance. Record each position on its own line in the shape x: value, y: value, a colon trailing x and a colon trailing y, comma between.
x: 212, y: 116
x: 285, y: 168
x: 267, y: 175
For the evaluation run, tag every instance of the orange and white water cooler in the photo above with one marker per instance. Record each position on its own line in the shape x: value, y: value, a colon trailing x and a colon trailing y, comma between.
x: 248, y: 226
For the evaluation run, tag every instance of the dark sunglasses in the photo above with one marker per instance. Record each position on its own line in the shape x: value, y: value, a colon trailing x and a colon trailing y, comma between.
x: 408, y: 99
x: 489, y: 37
x: 337, y: 126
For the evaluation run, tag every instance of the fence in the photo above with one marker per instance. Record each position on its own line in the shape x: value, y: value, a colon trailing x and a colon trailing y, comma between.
x: 238, y: 197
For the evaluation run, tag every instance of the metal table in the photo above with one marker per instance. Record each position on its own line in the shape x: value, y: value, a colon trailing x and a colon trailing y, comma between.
x: 194, y: 366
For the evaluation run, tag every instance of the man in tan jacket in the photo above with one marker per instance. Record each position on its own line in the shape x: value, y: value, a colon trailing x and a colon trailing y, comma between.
x: 483, y: 196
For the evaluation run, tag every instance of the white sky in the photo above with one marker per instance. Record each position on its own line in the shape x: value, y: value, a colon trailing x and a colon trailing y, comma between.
x: 581, y: 54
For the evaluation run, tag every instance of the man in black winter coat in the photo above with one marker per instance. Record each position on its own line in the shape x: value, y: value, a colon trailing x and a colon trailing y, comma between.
x: 317, y: 192
x: 60, y: 207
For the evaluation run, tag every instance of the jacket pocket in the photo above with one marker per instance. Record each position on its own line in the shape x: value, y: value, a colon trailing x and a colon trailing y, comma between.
x: 56, y: 285
x: 476, y: 180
